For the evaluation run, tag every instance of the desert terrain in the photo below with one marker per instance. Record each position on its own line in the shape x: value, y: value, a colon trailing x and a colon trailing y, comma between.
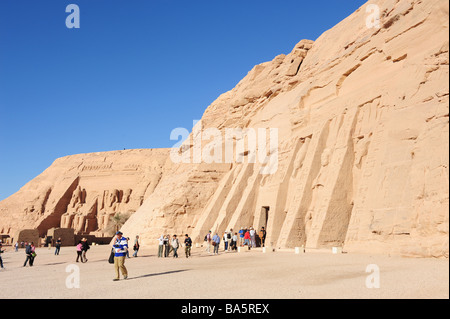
x: 316, y: 274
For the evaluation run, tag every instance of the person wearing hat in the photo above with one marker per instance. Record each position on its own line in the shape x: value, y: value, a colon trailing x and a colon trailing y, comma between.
x: 120, y: 251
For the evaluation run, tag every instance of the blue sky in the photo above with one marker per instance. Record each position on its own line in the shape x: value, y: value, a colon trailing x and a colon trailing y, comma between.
x: 132, y: 72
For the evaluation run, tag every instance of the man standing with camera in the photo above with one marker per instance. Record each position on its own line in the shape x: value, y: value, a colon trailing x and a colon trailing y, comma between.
x: 120, y: 251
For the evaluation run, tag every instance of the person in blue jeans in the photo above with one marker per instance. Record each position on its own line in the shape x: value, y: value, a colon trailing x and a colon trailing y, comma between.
x: 58, y: 246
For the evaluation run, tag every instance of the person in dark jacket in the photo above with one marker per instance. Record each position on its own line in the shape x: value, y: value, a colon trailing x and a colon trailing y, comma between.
x: 58, y: 246
x: 30, y: 253
x: 84, y: 248
x: 187, y: 245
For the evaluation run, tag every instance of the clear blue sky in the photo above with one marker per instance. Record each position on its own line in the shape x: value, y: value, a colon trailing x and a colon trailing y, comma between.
x: 133, y: 72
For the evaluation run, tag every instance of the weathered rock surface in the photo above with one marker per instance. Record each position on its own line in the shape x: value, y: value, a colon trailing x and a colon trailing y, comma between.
x: 362, y: 119
x: 83, y: 192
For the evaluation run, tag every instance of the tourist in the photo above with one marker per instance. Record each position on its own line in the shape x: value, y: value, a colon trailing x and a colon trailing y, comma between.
x: 188, y: 245
x: 136, y: 246
x: 175, y: 244
x: 58, y: 246
x: 161, y: 246
x: 241, y: 236
x: 30, y: 252
x: 1, y: 252
x: 253, y: 237
x: 80, y: 251
x: 120, y: 252
x: 167, y: 246
x: 128, y: 252
x: 85, y: 248
x: 230, y: 236
x: 234, y: 240
x: 262, y: 235
x: 216, y: 243
x: 225, y: 241
x: 16, y: 246
x: 208, y: 238
x: 247, y: 239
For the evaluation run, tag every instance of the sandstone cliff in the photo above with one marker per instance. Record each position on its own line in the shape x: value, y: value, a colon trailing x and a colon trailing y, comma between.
x: 362, y: 154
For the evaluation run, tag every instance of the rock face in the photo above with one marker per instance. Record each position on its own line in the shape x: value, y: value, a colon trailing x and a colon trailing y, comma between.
x: 83, y: 192
x: 361, y: 150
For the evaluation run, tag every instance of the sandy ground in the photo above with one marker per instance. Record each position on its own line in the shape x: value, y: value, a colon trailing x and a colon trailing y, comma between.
x: 245, y: 275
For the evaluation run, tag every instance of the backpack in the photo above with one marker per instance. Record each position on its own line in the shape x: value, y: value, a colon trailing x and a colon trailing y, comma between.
x: 229, y: 235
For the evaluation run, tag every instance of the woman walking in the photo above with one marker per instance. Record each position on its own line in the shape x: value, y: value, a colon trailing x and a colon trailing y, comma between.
x: 80, y: 251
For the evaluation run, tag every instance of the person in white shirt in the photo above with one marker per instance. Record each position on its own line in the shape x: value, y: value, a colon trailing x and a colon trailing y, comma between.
x: 234, y: 240
x: 175, y: 244
x: 253, y: 237
x: 225, y: 241
x: 161, y: 246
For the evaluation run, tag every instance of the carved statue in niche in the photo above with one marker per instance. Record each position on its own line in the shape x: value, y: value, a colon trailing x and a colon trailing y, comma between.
x: 113, y: 201
x: 317, y: 188
x: 298, y: 163
x: 126, y: 196
x: 77, y: 215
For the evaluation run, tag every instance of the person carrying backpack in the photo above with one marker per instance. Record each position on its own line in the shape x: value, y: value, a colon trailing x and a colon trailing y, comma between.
x: 30, y: 253
x: 262, y: 235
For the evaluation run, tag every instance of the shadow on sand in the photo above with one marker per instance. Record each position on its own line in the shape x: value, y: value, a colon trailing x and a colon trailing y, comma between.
x: 158, y: 274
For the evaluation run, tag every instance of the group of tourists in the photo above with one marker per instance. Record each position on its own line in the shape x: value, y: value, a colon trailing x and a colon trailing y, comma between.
x: 167, y: 245
x: 245, y: 237
x: 30, y: 253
